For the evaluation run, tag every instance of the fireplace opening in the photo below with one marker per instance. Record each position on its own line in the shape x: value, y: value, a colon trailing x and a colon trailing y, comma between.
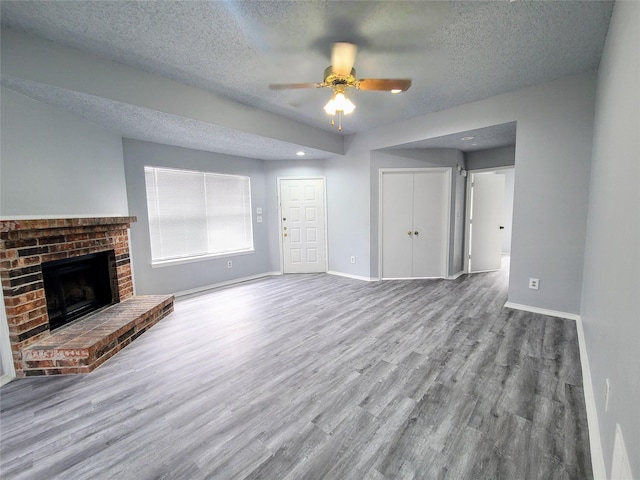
x: 76, y: 286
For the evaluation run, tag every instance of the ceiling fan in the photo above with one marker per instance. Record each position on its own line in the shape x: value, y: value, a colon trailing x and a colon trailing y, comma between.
x: 340, y: 76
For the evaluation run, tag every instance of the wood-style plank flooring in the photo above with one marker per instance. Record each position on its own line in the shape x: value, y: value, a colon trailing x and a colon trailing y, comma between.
x: 317, y: 377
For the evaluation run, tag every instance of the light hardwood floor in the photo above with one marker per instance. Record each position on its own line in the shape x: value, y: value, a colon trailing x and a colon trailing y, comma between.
x: 317, y: 377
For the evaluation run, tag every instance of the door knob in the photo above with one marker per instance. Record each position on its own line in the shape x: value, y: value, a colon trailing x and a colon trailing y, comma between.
x: 416, y: 233
x: 285, y: 235
x: 409, y: 233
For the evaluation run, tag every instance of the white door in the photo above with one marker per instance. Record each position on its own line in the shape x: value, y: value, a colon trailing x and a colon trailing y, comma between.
x: 302, y: 225
x: 414, y: 219
x: 429, y: 223
x: 487, y: 203
x: 397, y: 225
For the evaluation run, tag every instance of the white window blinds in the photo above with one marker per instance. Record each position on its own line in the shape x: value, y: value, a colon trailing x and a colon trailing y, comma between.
x: 195, y: 214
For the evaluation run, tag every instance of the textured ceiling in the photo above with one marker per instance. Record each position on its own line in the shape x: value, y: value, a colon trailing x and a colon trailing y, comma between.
x: 455, y: 52
x: 495, y: 136
x: 153, y: 126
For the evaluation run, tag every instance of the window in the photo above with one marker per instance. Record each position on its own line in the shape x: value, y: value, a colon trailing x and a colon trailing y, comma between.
x: 196, y: 214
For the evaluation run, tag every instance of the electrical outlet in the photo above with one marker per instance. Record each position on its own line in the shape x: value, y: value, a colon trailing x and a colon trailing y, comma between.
x: 607, y: 391
x: 229, y: 264
x: 534, y: 283
x: 353, y: 259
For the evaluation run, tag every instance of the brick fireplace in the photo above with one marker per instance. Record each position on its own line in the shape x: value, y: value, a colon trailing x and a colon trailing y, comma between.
x: 24, y: 246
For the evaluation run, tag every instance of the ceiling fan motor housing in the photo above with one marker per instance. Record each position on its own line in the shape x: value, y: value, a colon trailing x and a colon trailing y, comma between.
x: 334, y: 80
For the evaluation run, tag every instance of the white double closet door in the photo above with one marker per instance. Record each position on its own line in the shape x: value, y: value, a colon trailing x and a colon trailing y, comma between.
x: 415, y: 208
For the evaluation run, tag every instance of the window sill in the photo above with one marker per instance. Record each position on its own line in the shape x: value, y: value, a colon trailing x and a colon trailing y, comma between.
x: 202, y: 258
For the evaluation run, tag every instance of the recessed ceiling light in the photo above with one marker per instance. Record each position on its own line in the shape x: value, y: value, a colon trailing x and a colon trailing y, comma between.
x: 466, y: 139
x: 300, y: 153
x: 396, y: 90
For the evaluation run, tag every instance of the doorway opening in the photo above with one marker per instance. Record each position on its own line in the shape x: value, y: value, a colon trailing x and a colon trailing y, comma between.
x: 489, y: 216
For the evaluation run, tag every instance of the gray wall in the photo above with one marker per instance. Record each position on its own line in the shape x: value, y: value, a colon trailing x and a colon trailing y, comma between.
x: 56, y: 164
x: 555, y: 127
x: 190, y: 276
x: 348, y: 209
x: 611, y: 288
x: 497, y: 157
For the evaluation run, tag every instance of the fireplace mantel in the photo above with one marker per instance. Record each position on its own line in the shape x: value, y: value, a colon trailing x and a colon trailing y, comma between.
x: 26, y: 244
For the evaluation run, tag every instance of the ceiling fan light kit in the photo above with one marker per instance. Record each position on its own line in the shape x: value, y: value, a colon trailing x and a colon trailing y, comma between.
x: 339, y: 104
x: 340, y: 76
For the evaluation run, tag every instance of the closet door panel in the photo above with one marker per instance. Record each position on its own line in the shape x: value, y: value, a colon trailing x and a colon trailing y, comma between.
x: 397, y: 218
x: 429, y: 208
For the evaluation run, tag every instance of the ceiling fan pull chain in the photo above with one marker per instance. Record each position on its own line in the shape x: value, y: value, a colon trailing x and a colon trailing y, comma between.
x: 340, y: 120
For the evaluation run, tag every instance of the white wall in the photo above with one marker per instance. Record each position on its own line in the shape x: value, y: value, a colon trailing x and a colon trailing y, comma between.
x: 192, y: 276
x: 611, y: 288
x: 54, y: 164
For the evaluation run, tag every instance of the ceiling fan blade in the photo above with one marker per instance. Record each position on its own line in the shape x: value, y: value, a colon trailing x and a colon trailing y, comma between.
x: 343, y: 55
x: 285, y: 86
x: 387, y: 84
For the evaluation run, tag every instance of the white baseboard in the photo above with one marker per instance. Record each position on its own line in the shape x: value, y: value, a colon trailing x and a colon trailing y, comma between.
x: 597, y: 456
x: 620, y: 467
x: 4, y: 379
x: 355, y: 277
x: 456, y: 275
x: 225, y: 283
x: 542, y: 311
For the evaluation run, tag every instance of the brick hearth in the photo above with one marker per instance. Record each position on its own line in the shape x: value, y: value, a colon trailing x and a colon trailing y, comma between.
x: 26, y: 244
x: 85, y: 345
